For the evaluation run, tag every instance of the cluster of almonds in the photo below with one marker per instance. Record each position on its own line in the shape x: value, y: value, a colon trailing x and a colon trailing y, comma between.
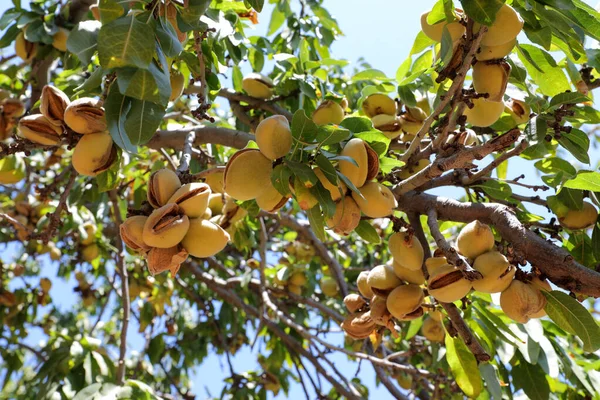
x: 491, y: 72
x: 395, y: 290
x: 177, y: 227
x: 95, y: 151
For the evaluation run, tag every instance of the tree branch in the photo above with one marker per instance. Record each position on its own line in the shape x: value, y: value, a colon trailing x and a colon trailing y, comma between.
x: 465, y: 333
x: 175, y: 139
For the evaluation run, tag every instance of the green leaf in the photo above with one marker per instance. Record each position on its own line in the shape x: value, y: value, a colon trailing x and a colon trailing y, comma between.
x: 571, y: 316
x: 596, y: 242
x: 277, y: 19
x: 324, y: 199
x: 143, y: 119
x: 403, y: 69
x: 125, y: 42
x: 543, y: 36
x: 578, y: 143
x: 257, y: 4
x: 9, y: 36
x: 315, y: 217
x: 543, y: 70
x: 349, y: 184
x: 303, y: 172
x: 190, y: 15
x: 463, y: 366
x: 156, y: 348
x: 377, y: 140
x: 280, y: 178
x: 109, y: 179
x: 446, y: 49
x: 496, y: 189
x: 369, y: 75
x: 83, y: 40
x: 366, y: 231
x: 357, y: 124
x: 421, y: 42
x: 388, y: 164
x: 482, y: 11
x: 585, y: 180
x: 167, y: 38
x: 303, y: 128
x: 413, y: 328
x: 332, y: 134
x: 327, y: 168
x: 568, y: 98
x: 553, y: 165
x: 571, y: 198
x: 116, y: 108
x: 492, y: 383
x: 109, y: 10
x: 532, y: 379
x: 145, y: 84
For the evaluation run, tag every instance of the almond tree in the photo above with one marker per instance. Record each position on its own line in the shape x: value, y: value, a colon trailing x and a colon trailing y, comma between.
x: 299, y: 207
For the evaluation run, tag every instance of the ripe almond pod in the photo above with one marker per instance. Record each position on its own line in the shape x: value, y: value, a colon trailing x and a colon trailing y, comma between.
x: 247, y: 175
x: 94, y: 154
x: 132, y: 233
x: 328, y: 112
x: 436, y: 315
x: 580, y: 219
x: 447, y: 284
x: 541, y: 285
x: 215, y: 180
x: 378, y: 103
x: 496, y: 270
x: 518, y: 110
x: 204, y: 238
x: 474, y: 239
x: 406, y: 250
x: 409, y: 275
x: 192, y: 198
x: 160, y: 260
x: 382, y: 277
x: 177, y: 83
x: 412, y: 120
x: 354, y: 302
x: 495, y: 52
x: 161, y: 186
x: 53, y: 104
x: 358, y: 325
x: 491, y: 77
x: 468, y: 137
x: 258, y: 86
x: 363, y: 284
x: 366, y: 159
x: 59, y: 40
x: 433, y: 330
x: 484, y: 113
x: 216, y: 201
x: 85, y: 115
x: 414, y: 169
x: 379, y: 311
x: 166, y: 227
x: 12, y: 108
x: 507, y: 25
x: 378, y: 200
x: 12, y: 169
x: 435, y: 31
x: 389, y: 125
x: 90, y: 232
x: 39, y: 129
x: 274, y: 137
x: 336, y: 192
x: 404, y: 300
x: 271, y: 200
x: 298, y: 278
x: 329, y: 287
x: 346, y: 217
x: 25, y: 49
x: 521, y: 301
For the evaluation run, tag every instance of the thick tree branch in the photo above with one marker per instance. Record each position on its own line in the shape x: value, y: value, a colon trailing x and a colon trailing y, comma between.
x: 175, y: 139
x: 556, y: 263
x: 465, y: 333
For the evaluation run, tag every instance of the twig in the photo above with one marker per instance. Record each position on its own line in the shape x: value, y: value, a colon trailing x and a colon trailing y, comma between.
x: 168, y: 158
x: 450, y: 252
x: 518, y: 149
x: 186, y: 157
x: 465, y: 333
x: 124, y: 289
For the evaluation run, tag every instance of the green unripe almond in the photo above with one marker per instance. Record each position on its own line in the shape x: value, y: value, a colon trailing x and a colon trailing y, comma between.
x: 484, y: 113
x: 474, y: 239
x: 382, y: 277
x: 166, y: 227
x: 363, y: 285
x: 435, y: 31
x: 329, y: 287
x: 406, y: 250
x: 447, y: 284
x: 161, y: 186
x: 271, y: 200
x: 204, y: 238
x: 258, y: 86
x: 377, y: 200
x: 389, y: 125
x: 378, y: 103
x: 507, y: 25
x: 298, y: 279
x: 404, y: 300
x: 580, y: 219
x: 409, y: 275
x: 247, y: 175
x: 346, y: 217
x: 274, y: 137
x: 329, y: 112
x: 94, y: 153
x: 521, y: 301
x: 192, y: 198
x: 367, y: 162
x: 496, y: 271
x: 487, y: 53
x: 90, y: 230
x: 177, y: 83
x: 491, y: 77
x: 12, y: 169
x: 90, y: 252
x: 336, y: 192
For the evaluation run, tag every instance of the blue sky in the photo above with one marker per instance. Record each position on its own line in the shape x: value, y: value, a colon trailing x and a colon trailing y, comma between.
x: 382, y: 32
